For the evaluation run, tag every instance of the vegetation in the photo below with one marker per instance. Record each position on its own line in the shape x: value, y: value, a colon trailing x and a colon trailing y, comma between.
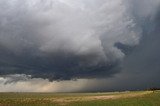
x: 138, y: 98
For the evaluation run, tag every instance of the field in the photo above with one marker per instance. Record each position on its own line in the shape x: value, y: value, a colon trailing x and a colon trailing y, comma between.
x: 137, y: 98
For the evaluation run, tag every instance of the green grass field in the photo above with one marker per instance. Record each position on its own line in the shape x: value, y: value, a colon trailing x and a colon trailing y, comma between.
x: 138, y: 98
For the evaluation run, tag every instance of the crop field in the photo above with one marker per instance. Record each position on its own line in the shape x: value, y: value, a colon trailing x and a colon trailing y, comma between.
x: 137, y: 98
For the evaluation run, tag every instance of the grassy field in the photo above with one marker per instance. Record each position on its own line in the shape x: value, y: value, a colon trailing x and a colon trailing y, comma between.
x: 138, y: 98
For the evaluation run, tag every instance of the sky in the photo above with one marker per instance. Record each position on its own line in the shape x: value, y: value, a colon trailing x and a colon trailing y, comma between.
x: 79, y: 45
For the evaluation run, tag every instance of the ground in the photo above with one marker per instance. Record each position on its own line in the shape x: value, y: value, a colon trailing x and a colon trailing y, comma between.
x: 134, y: 98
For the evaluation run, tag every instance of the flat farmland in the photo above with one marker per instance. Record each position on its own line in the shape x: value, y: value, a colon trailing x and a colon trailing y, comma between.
x: 134, y: 98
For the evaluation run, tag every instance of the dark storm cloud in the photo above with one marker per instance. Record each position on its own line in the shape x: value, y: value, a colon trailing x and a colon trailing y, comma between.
x: 67, y: 39
x: 141, y: 64
x: 144, y: 62
x: 59, y: 67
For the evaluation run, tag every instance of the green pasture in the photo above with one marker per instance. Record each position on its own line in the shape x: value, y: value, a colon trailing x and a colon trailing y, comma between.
x: 137, y: 98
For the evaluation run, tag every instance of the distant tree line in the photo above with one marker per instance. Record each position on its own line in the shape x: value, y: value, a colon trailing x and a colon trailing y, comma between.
x: 153, y: 89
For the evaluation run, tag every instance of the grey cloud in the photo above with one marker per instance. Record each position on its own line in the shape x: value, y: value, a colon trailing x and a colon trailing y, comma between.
x: 145, y: 59
x: 67, y: 39
x: 25, y: 83
x: 14, y: 78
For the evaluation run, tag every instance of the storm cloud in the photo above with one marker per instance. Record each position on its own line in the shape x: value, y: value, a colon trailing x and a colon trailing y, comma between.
x: 59, y: 39
x: 75, y: 39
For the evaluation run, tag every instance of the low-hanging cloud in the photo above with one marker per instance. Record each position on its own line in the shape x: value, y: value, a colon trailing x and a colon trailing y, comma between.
x: 67, y: 39
x: 24, y: 83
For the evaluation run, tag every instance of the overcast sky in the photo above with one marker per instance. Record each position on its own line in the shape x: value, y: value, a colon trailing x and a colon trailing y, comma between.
x: 79, y: 45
